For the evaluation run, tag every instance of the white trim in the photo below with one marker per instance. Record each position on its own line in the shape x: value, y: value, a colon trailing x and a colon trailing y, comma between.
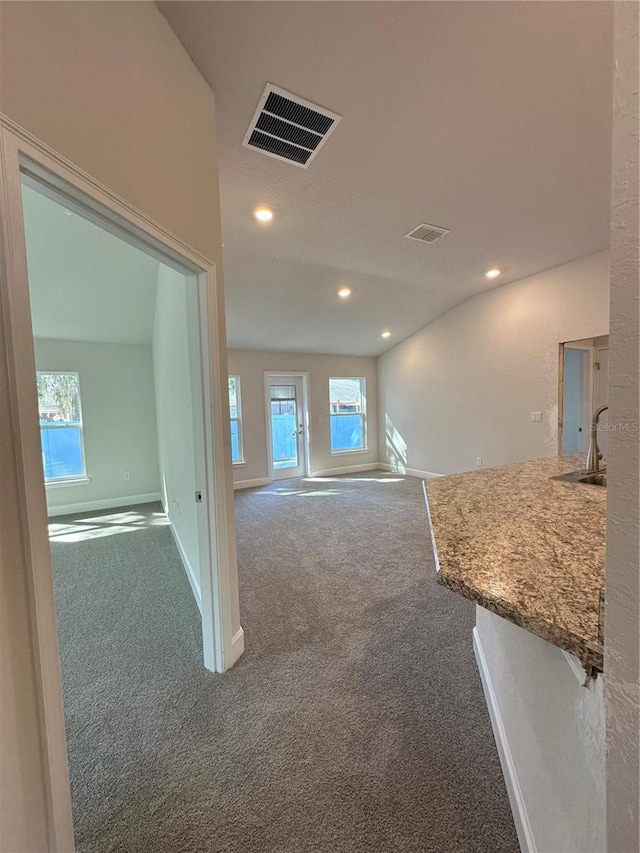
x: 303, y: 378
x: 516, y: 799
x: 188, y: 568
x: 76, y: 478
x: 346, y: 469
x: 237, y: 647
x: 576, y: 667
x: 106, y: 503
x: 20, y: 151
x: 237, y: 419
x: 434, y: 544
x: 409, y: 472
x: 22, y: 400
x: 251, y: 484
x: 364, y: 415
x: 71, y: 481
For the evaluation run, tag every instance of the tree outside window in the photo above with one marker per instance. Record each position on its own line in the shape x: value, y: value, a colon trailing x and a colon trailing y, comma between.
x: 61, y: 435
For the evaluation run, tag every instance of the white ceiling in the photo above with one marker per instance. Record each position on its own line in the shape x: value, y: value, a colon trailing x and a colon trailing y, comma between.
x: 488, y: 118
x: 85, y: 283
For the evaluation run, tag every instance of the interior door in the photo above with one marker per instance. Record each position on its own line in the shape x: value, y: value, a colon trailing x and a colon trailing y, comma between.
x: 287, y: 424
x: 576, y: 400
x: 602, y: 396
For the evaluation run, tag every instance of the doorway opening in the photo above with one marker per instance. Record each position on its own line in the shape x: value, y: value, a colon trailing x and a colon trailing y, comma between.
x: 583, y: 387
x: 220, y: 641
x: 119, y: 382
x: 287, y: 425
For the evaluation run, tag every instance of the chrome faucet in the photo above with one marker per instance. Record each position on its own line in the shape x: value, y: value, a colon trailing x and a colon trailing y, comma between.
x: 594, y: 456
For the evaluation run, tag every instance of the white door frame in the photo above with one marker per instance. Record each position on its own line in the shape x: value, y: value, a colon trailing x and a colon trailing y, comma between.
x: 590, y: 390
x: 20, y: 151
x: 304, y: 377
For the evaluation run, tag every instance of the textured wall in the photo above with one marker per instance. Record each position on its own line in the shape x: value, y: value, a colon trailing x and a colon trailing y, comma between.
x: 555, y: 728
x: 250, y: 367
x: 622, y: 618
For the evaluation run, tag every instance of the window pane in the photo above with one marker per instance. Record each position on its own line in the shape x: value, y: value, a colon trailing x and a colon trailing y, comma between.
x: 347, y: 432
x: 345, y: 395
x: 58, y: 398
x: 283, y: 392
x: 235, y: 442
x: 62, y: 452
x: 61, y: 425
x: 283, y: 429
x: 233, y: 396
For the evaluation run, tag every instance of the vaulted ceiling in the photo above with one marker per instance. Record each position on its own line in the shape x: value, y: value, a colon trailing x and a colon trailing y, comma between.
x: 85, y: 283
x: 491, y: 119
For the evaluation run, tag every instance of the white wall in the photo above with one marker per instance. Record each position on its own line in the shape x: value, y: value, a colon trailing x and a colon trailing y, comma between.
x: 119, y: 419
x: 251, y: 365
x: 555, y: 732
x: 110, y: 87
x: 466, y: 384
x: 174, y: 414
x: 622, y: 614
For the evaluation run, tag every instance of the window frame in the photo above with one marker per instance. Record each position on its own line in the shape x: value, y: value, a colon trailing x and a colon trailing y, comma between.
x: 237, y: 419
x: 363, y: 415
x: 71, y: 479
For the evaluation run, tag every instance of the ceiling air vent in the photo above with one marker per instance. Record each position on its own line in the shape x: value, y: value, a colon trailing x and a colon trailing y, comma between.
x: 427, y: 233
x: 288, y: 128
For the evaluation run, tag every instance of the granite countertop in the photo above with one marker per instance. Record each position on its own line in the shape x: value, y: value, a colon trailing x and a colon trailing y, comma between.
x: 527, y: 547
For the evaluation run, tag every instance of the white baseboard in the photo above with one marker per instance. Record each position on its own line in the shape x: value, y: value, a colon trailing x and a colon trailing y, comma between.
x: 408, y: 472
x: 191, y: 575
x: 516, y: 799
x: 108, y: 503
x: 251, y: 484
x: 236, y: 649
x: 346, y: 469
x: 577, y: 668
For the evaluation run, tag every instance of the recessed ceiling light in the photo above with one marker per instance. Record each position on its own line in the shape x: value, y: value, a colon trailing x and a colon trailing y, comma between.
x: 385, y: 334
x: 263, y: 214
x: 344, y: 292
x: 493, y: 273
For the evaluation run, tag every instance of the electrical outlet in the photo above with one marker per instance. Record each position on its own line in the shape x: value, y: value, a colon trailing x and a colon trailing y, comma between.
x: 126, y: 475
x: 536, y: 416
x: 478, y: 461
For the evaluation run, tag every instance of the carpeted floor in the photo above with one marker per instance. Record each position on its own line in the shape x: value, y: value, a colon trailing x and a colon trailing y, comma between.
x: 354, y: 723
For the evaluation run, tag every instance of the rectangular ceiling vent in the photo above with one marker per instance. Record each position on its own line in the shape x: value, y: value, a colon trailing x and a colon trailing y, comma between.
x: 288, y: 128
x: 427, y: 233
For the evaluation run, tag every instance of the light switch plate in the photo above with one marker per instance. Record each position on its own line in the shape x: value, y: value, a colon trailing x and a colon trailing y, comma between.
x: 536, y: 416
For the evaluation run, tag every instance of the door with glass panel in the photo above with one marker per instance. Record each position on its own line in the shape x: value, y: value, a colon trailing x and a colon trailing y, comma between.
x: 287, y: 425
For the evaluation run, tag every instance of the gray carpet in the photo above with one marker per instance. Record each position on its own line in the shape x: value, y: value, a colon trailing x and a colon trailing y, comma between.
x: 354, y: 723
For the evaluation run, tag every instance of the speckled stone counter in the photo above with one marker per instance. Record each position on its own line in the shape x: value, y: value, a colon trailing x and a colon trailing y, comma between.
x: 525, y: 546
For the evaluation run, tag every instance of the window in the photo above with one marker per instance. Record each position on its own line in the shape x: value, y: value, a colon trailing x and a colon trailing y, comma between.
x: 236, y: 419
x: 347, y: 410
x: 60, y: 426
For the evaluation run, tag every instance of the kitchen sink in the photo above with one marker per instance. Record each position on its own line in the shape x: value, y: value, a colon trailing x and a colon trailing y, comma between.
x: 593, y: 478
x: 599, y: 478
